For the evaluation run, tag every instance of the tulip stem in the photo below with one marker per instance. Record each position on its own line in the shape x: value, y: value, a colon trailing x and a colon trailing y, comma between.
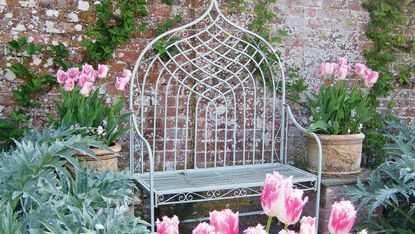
x: 268, y: 224
x: 286, y: 226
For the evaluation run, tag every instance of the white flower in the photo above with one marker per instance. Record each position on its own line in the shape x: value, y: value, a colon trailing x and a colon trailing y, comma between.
x: 99, y: 226
x: 349, y: 131
x: 360, y: 127
x: 100, y: 130
x: 353, y: 113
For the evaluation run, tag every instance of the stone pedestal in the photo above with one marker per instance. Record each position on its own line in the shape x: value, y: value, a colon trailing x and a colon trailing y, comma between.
x: 331, y: 188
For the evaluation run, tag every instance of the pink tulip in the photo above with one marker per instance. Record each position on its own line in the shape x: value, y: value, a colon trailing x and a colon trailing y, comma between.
x: 102, y: 70
x: 364, y: 231
x: 225, y: 221
x: 322, y: 70
x: 259, y: 229
x: 168, y: 226
x: 342, y: 72
x: 331, y: 68
x: 204, y: 228
x: 291, y: 205
x: 308, y: 225
x: 371, y: 78
x: 73, y: 73
x: 61, y: 76
x: 69, y: 84
x: 271, y: 192
x: 126, y: 75
x: 359, y: 69
x: 86, y: 89
x: 316, y: 86
x: 83, y: 78
x: 87, y: 69
x: 287, y: 232
x: 342, y: 61
x: 342, y: 217
x: 93, y: 76
x: 120, y: 83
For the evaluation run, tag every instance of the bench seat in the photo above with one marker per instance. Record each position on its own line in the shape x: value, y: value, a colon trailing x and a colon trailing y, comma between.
x: 218, y: 183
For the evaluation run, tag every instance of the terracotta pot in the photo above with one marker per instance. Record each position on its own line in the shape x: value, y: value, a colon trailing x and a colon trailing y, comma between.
x: 342, y: 154
x: 108, y: 160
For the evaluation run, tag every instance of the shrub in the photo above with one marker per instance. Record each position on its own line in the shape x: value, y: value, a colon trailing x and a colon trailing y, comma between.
x: 39, y: 194
x: 391, y: 189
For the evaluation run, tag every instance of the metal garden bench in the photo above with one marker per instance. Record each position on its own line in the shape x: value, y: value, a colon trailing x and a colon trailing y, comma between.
x: 210, y: 118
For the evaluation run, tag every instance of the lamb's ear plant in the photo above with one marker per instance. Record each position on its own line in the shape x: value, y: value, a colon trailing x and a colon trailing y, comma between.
x: 38, y: 194
x: 390, y: 192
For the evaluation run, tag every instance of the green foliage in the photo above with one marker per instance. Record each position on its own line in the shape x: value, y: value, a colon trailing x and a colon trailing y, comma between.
x: 39, y: 195
x: 167, y: 2
x: 390, y: 193
x: 382, y: 29
x: 168, y: 24
x: 34, y: 83
x: 14, y: 128
x: 91, y: 112
x: 264, y: 14
x: 112, y: 29
x: 337, y: 111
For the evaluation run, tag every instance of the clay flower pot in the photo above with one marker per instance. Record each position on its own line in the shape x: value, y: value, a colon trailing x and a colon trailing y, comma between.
x: 108, y: 160
x: 342, y: 154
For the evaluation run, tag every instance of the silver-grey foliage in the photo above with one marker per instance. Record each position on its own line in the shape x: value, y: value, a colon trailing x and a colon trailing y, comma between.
x: 390, y: 193
x: 39, y: 194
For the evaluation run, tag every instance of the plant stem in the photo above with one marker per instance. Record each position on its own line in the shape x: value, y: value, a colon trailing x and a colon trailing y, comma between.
x: 268, y: 224
x: 286, y: 226
x: 410, y: 219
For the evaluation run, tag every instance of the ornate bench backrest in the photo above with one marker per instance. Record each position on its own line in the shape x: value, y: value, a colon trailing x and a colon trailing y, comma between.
x: 208, y: 94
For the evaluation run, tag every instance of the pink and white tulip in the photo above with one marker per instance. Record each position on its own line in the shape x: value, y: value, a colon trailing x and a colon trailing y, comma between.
x: 343, y: 72
x: 86, y: 89
x: 259, y: 229
x: 92, y: 77
x: 225, y: 221
x: 316, y: 86
x: 168, y: 226
x: 87, y: 69
x: 83, y: 78
x: 73, y: 73
x: 126, y: 75
x: 359, y: 69
x: 342, y: 61
x: 342, y: 217
x: 371, y: 77
x: 271, y: 193
x: 102, y: 70
x: 120, y: 83
x: 69, y: 84
x: 204, y: 228
x: 291, y: 205
x: 61, y: 76
x: 308, y: 225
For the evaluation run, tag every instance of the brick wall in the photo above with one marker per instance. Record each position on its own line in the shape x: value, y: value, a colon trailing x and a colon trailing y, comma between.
x: 319, y: 31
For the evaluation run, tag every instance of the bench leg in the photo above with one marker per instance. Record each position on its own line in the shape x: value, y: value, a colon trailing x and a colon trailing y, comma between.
x: 152, y: 221
x: 317, y: 205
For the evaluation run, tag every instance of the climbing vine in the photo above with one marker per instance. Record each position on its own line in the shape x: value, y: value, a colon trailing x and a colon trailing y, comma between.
x: 115, y: 23
x: 388, y: 41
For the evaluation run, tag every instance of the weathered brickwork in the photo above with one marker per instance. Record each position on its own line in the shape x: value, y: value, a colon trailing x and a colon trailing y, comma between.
x: 318, y: 31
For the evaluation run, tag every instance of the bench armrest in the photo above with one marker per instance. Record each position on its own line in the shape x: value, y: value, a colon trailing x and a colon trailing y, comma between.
x: 146, y: 144
x: 320, y: 151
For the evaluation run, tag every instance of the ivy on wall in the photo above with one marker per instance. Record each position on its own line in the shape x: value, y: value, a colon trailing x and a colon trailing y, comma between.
x: 383, y: 29
x: 115, y: 23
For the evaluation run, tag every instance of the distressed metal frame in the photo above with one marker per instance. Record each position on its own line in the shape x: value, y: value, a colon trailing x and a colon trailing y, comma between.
x: 201, y: 75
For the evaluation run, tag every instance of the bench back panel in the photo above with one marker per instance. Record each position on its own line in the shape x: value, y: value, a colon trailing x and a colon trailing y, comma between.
x: 208, y: 94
